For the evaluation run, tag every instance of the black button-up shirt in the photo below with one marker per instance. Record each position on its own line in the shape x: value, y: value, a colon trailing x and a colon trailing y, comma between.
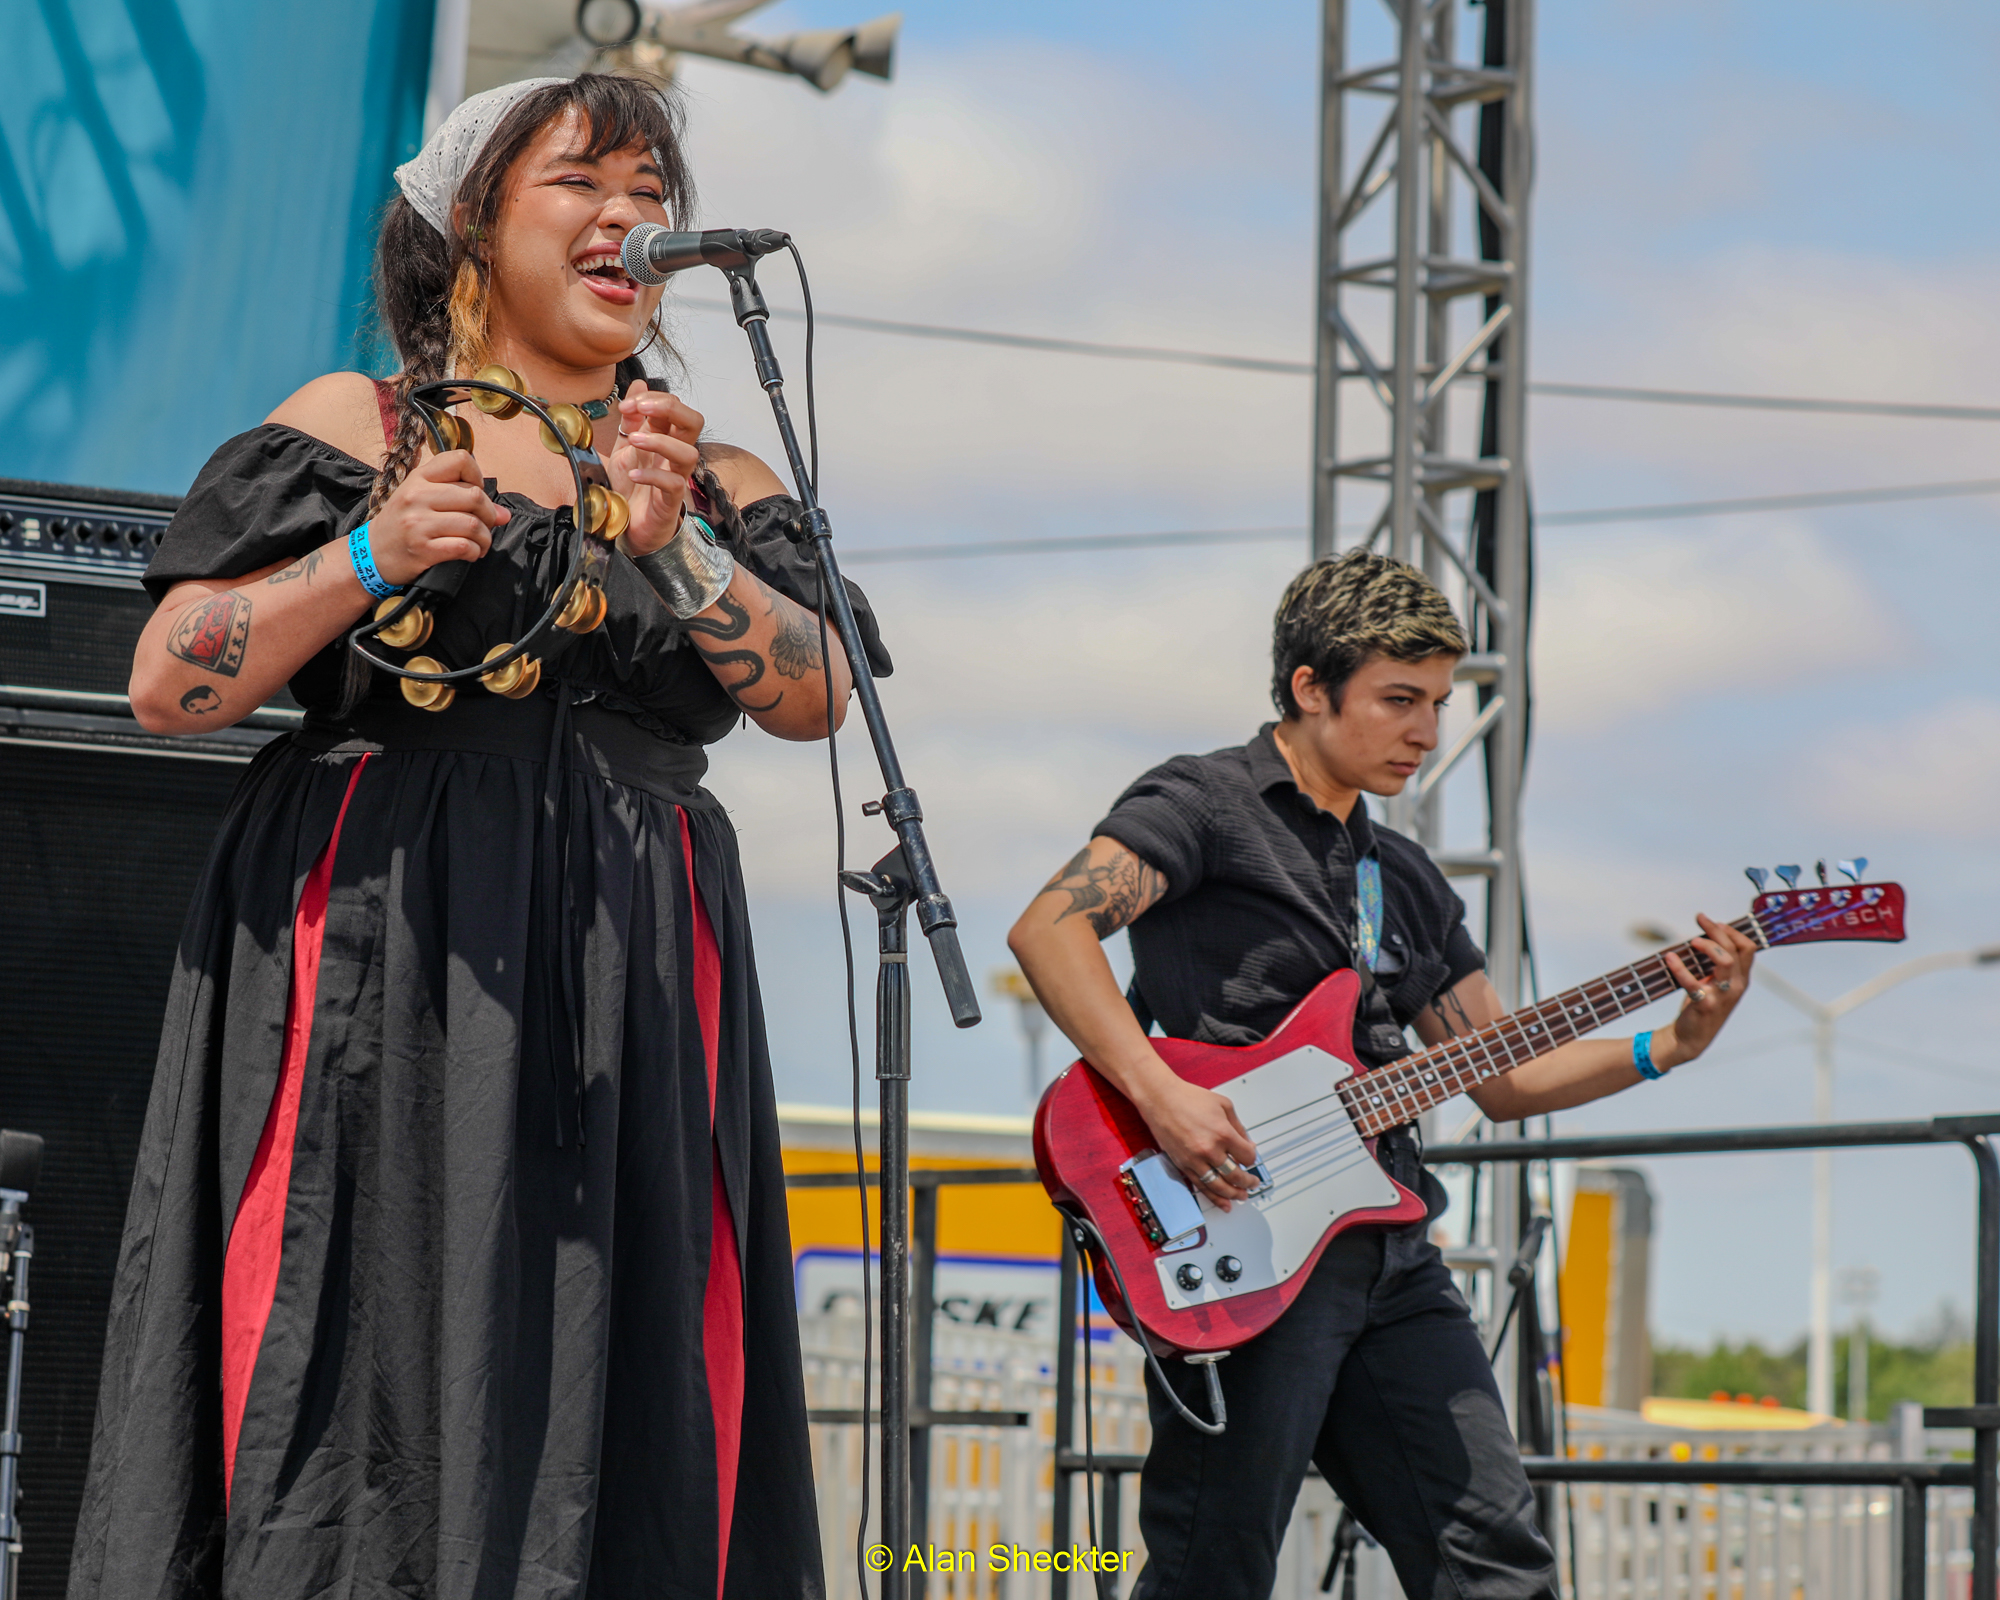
x: 1261, y: 904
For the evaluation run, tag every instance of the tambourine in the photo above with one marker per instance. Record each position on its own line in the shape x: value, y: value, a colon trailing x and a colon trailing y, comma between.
x: 403, y: 621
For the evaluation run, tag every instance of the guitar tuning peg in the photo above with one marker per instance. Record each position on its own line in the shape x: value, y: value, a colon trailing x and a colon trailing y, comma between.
x: 1790, y: 875
x: 1820, y: 868
x: 1758, y: 877
x: 1853, y: 868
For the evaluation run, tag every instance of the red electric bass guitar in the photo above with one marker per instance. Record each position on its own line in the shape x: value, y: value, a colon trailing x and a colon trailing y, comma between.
x: 1201, y: 1281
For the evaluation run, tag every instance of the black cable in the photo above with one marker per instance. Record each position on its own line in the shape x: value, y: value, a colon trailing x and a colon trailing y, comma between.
x: 1562, y: 1386
x: 1089, y: 1440
x: 812, y: 415
x: 853, y: 1008
x: 1079, y: 1226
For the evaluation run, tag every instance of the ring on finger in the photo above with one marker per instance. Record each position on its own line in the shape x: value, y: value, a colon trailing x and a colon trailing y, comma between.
x: 1722, y: 987
x: 1209, y: 1176
x: 1700, y: 995
x: 1228, y: 1164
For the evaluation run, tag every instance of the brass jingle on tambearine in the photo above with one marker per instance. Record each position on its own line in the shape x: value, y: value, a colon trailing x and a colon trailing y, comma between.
x: 574, y: 426
x: 516, y: 679
x: 455, y: 431
x: 584, y: 610
x: 606, y: 512
x: 500, y: 407
x: 407, y: 632
x: 427, y: 696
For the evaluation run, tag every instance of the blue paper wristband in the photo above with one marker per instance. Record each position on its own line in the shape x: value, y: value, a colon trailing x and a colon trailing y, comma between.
x: 1642, y: 1055
x: 364, y: 564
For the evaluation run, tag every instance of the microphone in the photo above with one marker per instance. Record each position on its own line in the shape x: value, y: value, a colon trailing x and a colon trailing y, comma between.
x: 652, y: 253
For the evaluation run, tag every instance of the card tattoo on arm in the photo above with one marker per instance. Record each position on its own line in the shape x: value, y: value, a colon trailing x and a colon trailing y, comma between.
x: 1108, y: 894
x: 213, y: 634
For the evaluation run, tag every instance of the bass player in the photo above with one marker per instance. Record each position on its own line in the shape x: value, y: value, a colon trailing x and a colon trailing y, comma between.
x: 1246, y: 876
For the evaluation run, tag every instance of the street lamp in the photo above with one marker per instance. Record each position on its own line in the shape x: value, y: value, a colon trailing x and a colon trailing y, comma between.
x: 1009, y: 984
x: 1824, y: 1014
x: 1858, y: 1288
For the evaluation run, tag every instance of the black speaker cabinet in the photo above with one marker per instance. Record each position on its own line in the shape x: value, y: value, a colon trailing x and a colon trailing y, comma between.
x: 103, y: 829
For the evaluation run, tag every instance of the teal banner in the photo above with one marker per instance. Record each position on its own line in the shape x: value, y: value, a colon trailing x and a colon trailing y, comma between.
x: 189, y: 191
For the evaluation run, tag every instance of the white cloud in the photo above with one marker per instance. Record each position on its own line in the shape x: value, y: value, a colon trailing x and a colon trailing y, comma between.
x: 1937, y: 769
x: 1025, y: 698
x: 1637, y: 623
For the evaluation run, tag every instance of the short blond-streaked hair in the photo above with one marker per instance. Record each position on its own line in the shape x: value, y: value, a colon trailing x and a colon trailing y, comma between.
x: 1345, y: 609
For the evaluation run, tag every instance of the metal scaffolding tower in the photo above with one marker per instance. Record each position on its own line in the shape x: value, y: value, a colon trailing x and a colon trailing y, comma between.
x: 1410, y: 322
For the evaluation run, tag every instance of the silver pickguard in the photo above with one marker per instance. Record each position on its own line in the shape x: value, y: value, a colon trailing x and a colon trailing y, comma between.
x: 1320, y: 1171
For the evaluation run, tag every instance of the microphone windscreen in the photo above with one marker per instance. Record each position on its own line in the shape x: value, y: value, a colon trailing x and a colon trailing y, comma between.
x: 633, y: 257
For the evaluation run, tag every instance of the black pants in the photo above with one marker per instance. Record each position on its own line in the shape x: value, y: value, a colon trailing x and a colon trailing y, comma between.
x: 1376, y: 1374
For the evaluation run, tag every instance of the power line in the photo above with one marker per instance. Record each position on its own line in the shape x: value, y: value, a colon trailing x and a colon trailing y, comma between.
x: 1768, y: 402
x: 1769, y: 502
x: 1211, y: 358
x: 1554, y: 519
x: 1088, y: 541
x: 1023, y: 341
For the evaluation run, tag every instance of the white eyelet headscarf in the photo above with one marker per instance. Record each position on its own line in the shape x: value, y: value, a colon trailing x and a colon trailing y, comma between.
x: 430, y: 180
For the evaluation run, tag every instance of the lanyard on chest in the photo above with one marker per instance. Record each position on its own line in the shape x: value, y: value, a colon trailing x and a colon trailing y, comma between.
x: 1368, y: 910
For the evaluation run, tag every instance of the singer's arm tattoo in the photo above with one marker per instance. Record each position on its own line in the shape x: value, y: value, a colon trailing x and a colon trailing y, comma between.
x: 795, y: 646
x: 200, y: 701
x: 736, y: 625
x: 304, y: 567
x: 214, y: 634
x: 1108, y: 893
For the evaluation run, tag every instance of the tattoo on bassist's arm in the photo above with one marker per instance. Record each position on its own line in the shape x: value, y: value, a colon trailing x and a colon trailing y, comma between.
x: 1445, y: 1008
x: 200, y: 701
x: 1107, y: 894
x: 734, y: 624
x: 304, y: 567
x: 214, y: 634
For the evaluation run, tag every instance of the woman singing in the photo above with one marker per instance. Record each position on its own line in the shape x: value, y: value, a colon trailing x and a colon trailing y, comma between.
x: 457, y: 1262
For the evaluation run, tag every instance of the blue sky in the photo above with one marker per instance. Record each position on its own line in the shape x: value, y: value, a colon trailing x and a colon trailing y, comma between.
x: 1776, y: 199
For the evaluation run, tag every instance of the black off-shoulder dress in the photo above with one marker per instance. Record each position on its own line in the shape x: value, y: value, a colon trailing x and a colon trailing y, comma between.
x: 457, y: 1264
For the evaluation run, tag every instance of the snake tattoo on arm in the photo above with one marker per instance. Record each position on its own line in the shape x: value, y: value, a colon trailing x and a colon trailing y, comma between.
x: 735, y: 625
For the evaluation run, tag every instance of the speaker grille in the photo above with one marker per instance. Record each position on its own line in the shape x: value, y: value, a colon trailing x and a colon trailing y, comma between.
x: 99, y: 852
x: 85, y: 642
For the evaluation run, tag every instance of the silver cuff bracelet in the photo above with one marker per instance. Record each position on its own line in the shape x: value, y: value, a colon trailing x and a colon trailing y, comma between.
x: 690, y: 570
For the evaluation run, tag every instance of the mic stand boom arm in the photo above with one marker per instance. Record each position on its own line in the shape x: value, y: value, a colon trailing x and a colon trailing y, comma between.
x: 905, y: 879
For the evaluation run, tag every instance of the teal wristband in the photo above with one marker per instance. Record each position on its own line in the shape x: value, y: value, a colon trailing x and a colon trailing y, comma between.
x: 364, y: 564
x: 1642, y: 1056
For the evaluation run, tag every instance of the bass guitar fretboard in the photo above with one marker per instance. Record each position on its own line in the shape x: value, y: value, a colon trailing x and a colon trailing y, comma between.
x: 1401, y: 1092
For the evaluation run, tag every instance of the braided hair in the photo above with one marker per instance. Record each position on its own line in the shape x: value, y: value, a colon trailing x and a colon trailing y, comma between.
x: 431, y: 292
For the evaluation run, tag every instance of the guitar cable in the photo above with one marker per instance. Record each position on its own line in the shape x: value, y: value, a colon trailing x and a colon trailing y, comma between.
x: 1089, y: 1445
x: 847, y: 954
x: 1094, y: 1247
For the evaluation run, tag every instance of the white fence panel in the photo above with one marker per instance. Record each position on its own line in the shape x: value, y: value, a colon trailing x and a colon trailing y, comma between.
x: 995, y: 1486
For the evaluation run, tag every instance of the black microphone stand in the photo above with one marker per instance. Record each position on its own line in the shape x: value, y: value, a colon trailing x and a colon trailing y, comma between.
x: 904, y: 878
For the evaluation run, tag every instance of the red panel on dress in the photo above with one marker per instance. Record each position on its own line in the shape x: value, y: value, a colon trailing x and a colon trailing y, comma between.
x: 722, y: 1299
x: 256, y: 1242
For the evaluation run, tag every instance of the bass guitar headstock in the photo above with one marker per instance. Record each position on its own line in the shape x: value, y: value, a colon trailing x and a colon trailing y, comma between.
x: 1851, y: 911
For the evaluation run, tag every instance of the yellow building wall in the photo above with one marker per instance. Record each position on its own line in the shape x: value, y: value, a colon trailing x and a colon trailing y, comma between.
x: 1586, y: 1295
x: 986, y: 1219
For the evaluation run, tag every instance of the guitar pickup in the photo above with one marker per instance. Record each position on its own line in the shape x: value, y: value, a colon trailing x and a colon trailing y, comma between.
x: 1168, y: 1213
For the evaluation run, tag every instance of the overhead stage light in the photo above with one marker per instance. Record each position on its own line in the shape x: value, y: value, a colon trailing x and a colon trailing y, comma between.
x: 653, y: 35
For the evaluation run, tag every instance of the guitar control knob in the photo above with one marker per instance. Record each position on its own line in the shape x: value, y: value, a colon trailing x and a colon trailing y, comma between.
x: 1228, y: 1269
x: 1189, y: 1277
